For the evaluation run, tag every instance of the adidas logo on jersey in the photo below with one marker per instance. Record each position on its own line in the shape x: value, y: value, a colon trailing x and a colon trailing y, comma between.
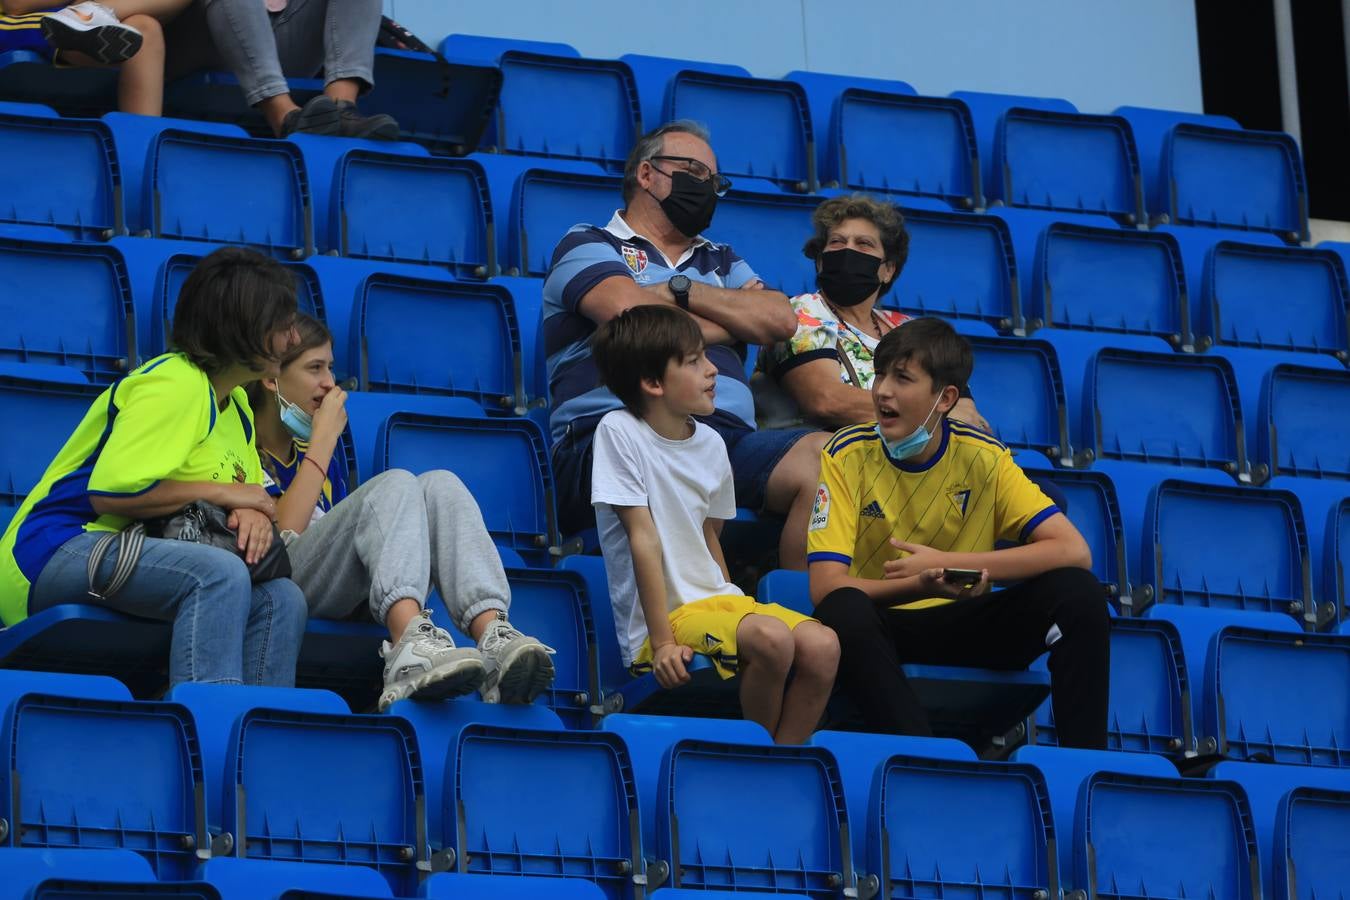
x: 873, y: 511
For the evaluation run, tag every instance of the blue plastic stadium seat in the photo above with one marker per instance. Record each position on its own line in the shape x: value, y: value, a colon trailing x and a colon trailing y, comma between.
x: 399, y: 208
x: 22, y: 870
x: 1308, y: 861
x: 1295, y: 434
x: 90, y: 640
x: 82, y: 773
x: 1095, y: 511
x: 1020, y: 391
x: 1165, y: 408
x: 86, y: 200
x: 986, y: 112
x: 367, y: 413
x: 518, y: 511
x: 455, y: 886
x: 538, y: 80
x: 44, y: 413
x: 767, y: 229
x: 941, y: 828
x: 1275, y: 298
x: 545, y: 203
x: 960, y: 267
x: 1260, y: 563
x: 445, y: 106
x: 1151, y: 128
x: 1110, y: 280
x: 402, y: 329
x: 1336, y: 558
x: 1150, y: 700
x: 254, y: 879
x: 67, y: 304
x: 76, y: 889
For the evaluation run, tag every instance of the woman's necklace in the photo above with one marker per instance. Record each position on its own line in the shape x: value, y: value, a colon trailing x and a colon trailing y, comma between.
x: 874, y: 318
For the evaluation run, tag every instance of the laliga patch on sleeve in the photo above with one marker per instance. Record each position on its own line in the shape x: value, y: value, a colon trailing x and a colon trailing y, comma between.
x: 820, y: 510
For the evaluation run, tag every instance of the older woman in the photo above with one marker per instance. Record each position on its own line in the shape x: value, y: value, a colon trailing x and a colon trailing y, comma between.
x: 825, y: 369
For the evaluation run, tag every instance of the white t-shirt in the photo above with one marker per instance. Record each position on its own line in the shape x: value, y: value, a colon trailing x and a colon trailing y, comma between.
x: 683, y: 483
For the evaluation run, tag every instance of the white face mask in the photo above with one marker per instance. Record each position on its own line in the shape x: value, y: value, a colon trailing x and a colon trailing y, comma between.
x: 918, y: 439
x: 298, y: 422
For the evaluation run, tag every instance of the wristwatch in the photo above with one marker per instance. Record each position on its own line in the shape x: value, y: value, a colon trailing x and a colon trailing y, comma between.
x: 679, y: 288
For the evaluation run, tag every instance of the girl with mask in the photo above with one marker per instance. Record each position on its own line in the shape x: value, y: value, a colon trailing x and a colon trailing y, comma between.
x: 387, y: 542
x: 825, y: 370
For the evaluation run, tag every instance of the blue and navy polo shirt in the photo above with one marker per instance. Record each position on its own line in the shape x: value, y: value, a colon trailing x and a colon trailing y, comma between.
x: 586, y: 256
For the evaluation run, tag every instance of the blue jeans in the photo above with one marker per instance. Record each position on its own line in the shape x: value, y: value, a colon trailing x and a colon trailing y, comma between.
x: 226, y: 630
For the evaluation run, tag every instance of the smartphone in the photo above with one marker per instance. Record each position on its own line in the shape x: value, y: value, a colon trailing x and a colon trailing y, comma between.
x: 966, y: 578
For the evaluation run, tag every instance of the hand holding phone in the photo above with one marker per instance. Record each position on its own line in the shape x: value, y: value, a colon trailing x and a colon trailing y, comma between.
x: 964, y: 578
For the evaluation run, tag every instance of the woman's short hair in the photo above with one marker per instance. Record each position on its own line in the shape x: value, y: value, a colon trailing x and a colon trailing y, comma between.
x: 231, y: 305
x: 884, y: 215
x: 638, y: 344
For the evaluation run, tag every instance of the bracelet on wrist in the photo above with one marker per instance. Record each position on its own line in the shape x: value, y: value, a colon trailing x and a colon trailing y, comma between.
x: 323, y: 470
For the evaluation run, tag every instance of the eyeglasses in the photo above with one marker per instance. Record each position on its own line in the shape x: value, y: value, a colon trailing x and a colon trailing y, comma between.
x: 700, y: 171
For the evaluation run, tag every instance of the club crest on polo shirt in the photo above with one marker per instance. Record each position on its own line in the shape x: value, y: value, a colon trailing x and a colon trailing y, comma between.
x: 820, y: 510
x: 635, y: 259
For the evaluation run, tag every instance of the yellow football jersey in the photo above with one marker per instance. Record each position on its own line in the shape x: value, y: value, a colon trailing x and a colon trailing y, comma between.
x: 966, y: 498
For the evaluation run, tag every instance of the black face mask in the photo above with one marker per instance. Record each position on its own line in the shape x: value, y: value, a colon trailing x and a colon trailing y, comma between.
x: 690, y: 204
x: 848, y: 277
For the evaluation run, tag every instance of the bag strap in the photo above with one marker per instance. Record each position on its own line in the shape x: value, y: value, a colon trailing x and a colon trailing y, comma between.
x: 130, y: 541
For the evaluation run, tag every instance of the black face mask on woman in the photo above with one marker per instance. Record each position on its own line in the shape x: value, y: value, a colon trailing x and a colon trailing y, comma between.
x: 848, y: 277
x: 690, y: 204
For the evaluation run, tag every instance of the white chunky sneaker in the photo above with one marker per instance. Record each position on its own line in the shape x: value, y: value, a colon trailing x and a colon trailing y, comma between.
x: 518, y: 666
x: 92, y: 29
x: 425, y: 664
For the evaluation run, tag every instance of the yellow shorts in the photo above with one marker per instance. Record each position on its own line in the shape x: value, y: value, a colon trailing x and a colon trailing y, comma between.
x: 709, y: 627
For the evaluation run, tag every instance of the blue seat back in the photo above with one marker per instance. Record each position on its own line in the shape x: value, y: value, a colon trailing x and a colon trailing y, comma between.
x: 67, y: 304
x: 1151, y: 128
x: 938, y: 157
x: 1230, y: 178
x: 959, y: 267
x: 86, y: 200
x: 402, y: 330
x: 1259, y: 710
x: 1069, y: 161
x: 444, y: 106
x: 258, y: 193
x: 548, y: 203
x: 75, y: 889
x: 1232, y: 548
x: 1295, y: 435
x: 1018, y: 386
x: 1163, y: 408
x: 1307, y: 857
x: 760, y: 127
x: 938, y: 828
x: 67, y: 781
x: 1186, y: 838
x: 1110, y: 280
x: 1278, y: 298
x: 787, y: 834
x: 1095, y: 512
x: 518, y: 511
x: 429, y: 210
x: 767, y: 230
x: 41, y: 416
x: 543, y: 803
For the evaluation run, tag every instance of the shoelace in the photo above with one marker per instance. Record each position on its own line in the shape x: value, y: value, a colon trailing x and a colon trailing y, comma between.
x: 498, y: 633
x: 428, y: 628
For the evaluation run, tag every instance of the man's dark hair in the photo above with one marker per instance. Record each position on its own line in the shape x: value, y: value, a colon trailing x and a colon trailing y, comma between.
x: 638, y: 343
x: 231, y: 305
x: 886, y: 216
x: 653, y: 143
x: 934, y: 345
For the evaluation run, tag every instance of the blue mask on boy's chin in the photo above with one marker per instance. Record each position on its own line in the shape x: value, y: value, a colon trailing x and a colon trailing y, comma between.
x: 906, y: 447
x: 298, y: 422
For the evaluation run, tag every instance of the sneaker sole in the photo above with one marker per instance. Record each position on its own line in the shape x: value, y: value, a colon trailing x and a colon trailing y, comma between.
x: 106, y: 44
x: 525, y: 675
x: 384, y: 129
x: 462, y: 677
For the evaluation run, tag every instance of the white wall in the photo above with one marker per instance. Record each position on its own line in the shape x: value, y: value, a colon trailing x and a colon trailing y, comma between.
x: 1099, y: 54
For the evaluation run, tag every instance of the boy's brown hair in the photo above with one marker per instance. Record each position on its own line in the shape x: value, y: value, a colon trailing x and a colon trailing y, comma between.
x: 638, y: 344
x: 934, y: 345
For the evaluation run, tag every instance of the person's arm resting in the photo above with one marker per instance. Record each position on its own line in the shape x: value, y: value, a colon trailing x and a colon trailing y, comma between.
x: 820, y: 394
x: 164, y: 498
x: 644, y: 544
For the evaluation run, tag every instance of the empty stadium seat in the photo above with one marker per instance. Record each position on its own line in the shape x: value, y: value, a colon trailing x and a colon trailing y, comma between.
x: 24, y: 870
x: 268, y: 879
x: 767, y: 229
x: 986, y: 112
x: 1275, y: 298
x: 1295, y: 434
x: 45, y: 413
x: 83, y: 768
x: 67, y: 304
x: 942, y: 828
x: 1150, y: 700
x: 959, y: 267
x: 546, y: 202
x: 399, y: 208
x: 455, y: 886
x: 1228, y: 547
x: 1151, y: 128
x: 445, y: 106
x: 75, y: 889
x: 90, y: 640
x: 1018, y: 387
x: 86, y: 200
x: 1166, y: 408
x: 1110, y: 280
x: 538, y: 80
x: 822, y: 93
x: 1095, y: 512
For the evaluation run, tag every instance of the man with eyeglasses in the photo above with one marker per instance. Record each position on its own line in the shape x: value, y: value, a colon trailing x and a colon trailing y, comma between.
x: 653, y: 251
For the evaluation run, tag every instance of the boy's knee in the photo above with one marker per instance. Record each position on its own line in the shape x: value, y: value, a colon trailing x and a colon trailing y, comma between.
x: 1082, y: 609
x: 847, y: 612
x: 817, y: 649
x: 765, y: 641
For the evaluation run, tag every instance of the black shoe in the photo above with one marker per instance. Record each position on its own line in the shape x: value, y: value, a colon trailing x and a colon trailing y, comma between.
x: 379, y: 127
x: 319, y: 116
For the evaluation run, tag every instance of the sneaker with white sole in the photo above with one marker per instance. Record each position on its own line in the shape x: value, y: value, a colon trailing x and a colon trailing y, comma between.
x: 518, y: 666
x: 92, y: 29
x: 425, y: 664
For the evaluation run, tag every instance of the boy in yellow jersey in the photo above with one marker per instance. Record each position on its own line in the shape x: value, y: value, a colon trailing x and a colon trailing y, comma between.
x: 913, y: 495
x: 661, y: 479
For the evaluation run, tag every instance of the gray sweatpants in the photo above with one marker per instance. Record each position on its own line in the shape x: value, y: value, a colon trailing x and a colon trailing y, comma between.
x: 389, y: 539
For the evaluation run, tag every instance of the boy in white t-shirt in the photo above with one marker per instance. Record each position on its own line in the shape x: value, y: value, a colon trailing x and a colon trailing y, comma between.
x: 660, y: 482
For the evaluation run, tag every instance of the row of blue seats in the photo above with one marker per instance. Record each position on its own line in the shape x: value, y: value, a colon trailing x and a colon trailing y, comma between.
x: 223, y: 781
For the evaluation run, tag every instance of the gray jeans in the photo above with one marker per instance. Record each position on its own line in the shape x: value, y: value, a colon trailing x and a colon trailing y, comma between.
x: 392, y: 537
x: 262, y: 48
